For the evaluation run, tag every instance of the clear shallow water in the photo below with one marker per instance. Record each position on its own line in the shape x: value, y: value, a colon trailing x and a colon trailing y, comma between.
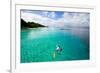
x: 39, y: 44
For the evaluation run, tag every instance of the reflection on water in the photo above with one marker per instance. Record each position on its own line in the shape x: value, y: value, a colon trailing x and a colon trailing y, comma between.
x: 38, y: 44
x: 82, y: 33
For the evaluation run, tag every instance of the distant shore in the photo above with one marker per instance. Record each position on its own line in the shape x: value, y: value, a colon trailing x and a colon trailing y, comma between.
x: 25, y: 24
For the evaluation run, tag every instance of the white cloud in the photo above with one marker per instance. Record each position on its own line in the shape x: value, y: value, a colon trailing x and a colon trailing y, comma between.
x: 29, y: 17
x: 52, y: 15
x: 76, y: 19
x: 45, y: 13
x: 48, y: 14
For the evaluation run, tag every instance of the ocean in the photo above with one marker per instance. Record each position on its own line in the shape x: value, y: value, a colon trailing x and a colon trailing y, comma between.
x: 39, y: 44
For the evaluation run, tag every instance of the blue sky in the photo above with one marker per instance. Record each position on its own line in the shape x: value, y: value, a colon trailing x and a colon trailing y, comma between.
x: 56, y: 18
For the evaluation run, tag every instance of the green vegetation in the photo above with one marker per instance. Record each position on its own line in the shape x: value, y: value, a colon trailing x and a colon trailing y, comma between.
x: 25, y: 24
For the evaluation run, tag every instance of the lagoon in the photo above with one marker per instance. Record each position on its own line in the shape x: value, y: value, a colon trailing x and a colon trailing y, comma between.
x: 39, y: 44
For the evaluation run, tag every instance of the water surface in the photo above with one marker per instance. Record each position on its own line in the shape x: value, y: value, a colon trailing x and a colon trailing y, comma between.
x: 39, y: 44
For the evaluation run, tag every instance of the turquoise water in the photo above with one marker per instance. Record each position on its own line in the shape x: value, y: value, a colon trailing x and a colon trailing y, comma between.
x: 39, y: 44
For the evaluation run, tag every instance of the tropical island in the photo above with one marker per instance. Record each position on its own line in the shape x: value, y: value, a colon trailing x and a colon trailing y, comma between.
x: 25, y: 24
